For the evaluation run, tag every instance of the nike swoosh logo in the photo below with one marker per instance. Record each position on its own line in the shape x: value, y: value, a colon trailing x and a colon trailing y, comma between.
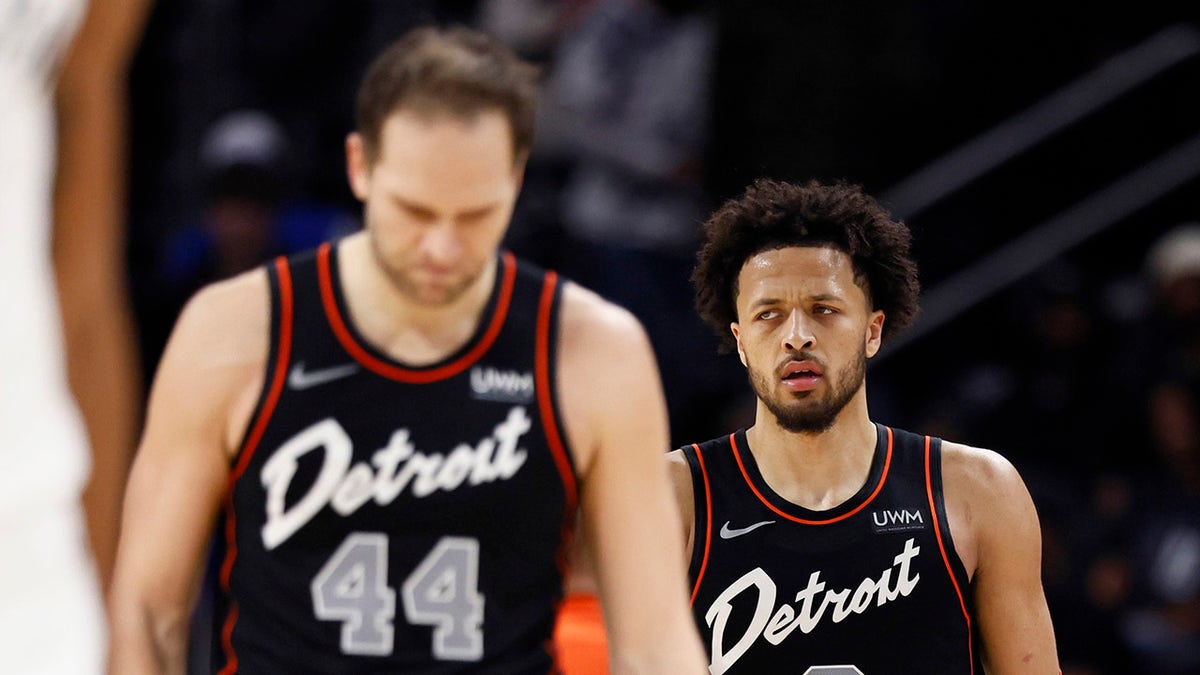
x: 299, y: 378
x: 727, y: 533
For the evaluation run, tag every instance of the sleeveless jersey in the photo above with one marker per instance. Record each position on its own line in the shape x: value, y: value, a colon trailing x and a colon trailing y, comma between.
x: 872, y: 586
x: 386, y: 519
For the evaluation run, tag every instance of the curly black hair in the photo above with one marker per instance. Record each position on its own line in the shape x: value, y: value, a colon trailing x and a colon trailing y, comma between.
x: 772, y: 215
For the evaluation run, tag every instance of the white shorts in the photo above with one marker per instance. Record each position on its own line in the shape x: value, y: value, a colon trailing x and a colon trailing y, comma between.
x: 51, y: 614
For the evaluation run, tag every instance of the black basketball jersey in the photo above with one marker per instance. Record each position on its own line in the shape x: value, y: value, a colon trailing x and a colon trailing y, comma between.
x: 872, y: 586
x: 389, y: 519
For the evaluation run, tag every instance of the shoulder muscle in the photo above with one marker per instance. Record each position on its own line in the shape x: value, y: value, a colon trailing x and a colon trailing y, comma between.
x: 216, y: 356
x: 607, y: 372
x: 985, y: 497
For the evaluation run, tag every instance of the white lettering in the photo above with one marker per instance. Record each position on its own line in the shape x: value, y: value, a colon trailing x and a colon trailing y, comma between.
x: 277, y: 474
x: 354, y: 491
x: 902, y: 517
x: 807, y: 620
x: 905, y: 583
x: 490, y: 383
x: 346, y: 488
x: 775, y: 624
x: 718, y: 615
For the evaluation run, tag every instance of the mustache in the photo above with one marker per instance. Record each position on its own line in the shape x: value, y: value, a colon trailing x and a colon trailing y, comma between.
x: 802, y: 355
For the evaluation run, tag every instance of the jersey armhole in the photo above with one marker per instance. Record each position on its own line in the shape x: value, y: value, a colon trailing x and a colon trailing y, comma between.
x: 702, y: 515
x: 282, y: 302
x: 954, y: 567
x: 936, y: 494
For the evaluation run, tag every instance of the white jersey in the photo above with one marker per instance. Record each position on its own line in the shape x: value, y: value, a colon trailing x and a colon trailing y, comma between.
x: 43, y: 452
x: 50, y: 614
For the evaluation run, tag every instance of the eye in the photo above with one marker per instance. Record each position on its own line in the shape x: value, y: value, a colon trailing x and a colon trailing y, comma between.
x: 767, y: 315
x: 417, y: 213
x: 474, y: 217
x: 824, y: 309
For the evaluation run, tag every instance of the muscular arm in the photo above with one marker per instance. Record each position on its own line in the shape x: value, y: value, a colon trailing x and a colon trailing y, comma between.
x: 1001, y: 544
x: 89, y: 245
x: 199, y: 405
x: 615, y: 419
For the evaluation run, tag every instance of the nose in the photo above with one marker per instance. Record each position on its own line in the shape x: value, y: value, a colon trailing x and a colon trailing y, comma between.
x: 797, y: 332
x: 441, y: 244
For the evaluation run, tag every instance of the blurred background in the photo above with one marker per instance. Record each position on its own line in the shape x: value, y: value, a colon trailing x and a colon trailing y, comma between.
x: 1045, y: 154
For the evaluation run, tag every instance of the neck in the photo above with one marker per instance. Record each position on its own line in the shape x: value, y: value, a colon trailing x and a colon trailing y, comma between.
x: 410, y: 332
x: 817, y: 470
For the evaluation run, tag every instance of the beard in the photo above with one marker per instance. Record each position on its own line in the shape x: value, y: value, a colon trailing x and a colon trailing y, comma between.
x: 425, y: 294
x: 809, y: 413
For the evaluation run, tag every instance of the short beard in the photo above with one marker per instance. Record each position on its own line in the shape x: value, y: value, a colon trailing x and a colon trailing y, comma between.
x: 403, y: 283
x: 821, y: 416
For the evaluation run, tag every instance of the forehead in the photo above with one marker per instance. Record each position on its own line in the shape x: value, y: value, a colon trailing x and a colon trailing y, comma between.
x: 797, y: 271
x: 422, y: 152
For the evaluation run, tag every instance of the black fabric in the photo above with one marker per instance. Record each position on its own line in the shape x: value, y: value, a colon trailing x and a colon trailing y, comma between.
x: 861, y: 586
x: 408, y: 505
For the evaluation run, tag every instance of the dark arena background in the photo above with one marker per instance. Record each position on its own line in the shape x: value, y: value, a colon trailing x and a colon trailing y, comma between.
x: 1045, y: 154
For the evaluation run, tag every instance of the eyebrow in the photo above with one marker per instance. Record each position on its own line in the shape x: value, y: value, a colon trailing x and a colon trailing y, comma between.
x: 820, y: 297
x: 412, y: 206
x: 425, y: 210
x: 479, y: 211
x: 762, y: 302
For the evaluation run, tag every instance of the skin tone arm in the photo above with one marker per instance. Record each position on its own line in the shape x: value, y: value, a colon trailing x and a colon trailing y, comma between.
x: 202, y: 398
x: 615, y: 417
x: 89, y: 255
x: 996, y: 532
x: 685, y: 501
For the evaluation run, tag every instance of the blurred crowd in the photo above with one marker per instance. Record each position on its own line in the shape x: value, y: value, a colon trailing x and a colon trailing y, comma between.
x: 1085, y: 374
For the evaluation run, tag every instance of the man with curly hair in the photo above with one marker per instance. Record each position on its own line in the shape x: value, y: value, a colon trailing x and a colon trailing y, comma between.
x: 821, y: 541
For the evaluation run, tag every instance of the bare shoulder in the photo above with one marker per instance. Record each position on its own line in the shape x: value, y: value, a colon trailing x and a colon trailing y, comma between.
x: 590, y: 321
x: 677, y: 464
x: 681, y: 484
x: 107, y: 37
x: 229, y: 319
x: 609, y: 387
x: 983, y: 474
x: 681, y: 480
x: 1000, y: 546
x: 604, y: 354
x: 215, y: 362
x: 987, y: 503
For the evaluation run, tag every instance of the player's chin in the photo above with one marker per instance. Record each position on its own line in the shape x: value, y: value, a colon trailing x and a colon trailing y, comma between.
x: 439, y: 294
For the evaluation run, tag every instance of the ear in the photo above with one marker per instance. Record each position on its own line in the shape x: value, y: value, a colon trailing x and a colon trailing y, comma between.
x: 358, y: 168
x: 874, y: 333
x: 735, y: 329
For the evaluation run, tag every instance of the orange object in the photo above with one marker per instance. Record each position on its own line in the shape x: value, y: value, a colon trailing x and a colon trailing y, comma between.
x: 579, y: 637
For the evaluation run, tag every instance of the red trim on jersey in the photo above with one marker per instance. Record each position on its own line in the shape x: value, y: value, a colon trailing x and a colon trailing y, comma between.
x: 937, y: 530
x: 259, y: 427
x: 887, y: 463
x: 707, y: 525
x: 546, y: 409
x: 399, y: 373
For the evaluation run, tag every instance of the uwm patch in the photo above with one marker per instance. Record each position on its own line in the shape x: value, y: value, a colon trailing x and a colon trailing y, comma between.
x: 502, y: 386
x: 898, y: 520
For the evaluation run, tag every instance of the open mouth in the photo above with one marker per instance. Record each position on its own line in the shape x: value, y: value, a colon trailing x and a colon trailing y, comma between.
x: 796, y: 370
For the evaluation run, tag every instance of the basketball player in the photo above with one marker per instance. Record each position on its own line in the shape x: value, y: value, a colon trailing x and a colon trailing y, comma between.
x: 397, y: 428
x: 820, y: 541
x: 67, y: 372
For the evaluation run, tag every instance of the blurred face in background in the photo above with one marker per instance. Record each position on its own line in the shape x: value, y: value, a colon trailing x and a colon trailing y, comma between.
x: 438, y: 194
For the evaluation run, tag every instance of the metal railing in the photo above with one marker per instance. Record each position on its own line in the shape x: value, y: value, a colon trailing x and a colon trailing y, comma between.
x: 1046, y: 241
